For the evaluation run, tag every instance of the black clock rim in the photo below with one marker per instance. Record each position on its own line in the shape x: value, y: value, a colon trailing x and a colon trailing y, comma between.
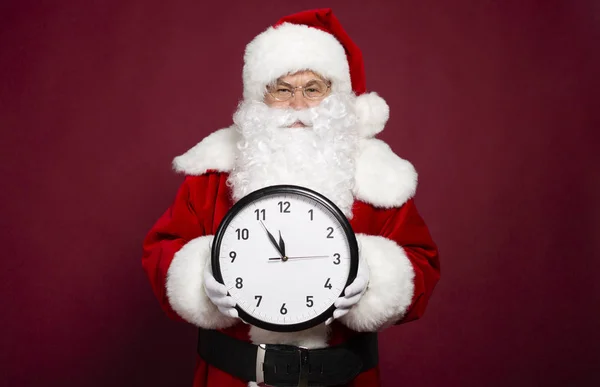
x: 295, y: 190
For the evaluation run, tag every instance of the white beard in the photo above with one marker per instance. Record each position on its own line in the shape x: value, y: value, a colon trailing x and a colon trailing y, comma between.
x: 320, y: 157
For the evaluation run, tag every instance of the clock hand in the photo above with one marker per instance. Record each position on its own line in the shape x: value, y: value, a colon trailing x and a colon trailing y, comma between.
x: 273, y: 241
x: 305, y: 257
x: 281, y: 244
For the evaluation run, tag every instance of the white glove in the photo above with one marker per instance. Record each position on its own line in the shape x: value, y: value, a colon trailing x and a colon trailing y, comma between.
x: 353, y: 292
x: 217, y: 293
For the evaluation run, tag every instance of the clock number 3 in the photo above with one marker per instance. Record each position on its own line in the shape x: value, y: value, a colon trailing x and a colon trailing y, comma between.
x: 337, y: 259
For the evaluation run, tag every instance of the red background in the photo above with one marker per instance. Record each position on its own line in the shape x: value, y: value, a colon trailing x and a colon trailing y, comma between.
x: 495, y: 102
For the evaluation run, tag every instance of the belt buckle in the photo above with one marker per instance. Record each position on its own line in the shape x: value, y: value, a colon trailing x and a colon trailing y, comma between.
x: 260, y: 359
x: 303, y: 362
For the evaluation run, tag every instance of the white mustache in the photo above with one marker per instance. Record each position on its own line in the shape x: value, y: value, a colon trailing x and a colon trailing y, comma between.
x: 256, y: 114
x: 306, y: 117
x: 276, y: 117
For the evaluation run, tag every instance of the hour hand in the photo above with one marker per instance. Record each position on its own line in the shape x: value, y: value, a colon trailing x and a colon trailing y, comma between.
x: 281, y: 245
x: 273, y: 241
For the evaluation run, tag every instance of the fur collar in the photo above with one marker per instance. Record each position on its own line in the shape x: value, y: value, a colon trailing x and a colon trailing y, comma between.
x: 382, y: 178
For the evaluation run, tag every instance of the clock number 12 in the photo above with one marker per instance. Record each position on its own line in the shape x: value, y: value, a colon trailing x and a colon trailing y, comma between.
x: 284, y: 207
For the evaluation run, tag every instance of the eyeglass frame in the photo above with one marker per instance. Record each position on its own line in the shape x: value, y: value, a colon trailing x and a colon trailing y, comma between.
x: 293, y: 89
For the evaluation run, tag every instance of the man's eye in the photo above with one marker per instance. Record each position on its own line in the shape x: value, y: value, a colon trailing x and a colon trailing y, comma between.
x: 313, y: 90
x: 283, y: 90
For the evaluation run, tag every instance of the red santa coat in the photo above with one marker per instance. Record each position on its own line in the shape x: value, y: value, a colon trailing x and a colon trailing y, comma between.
x: 395, y: 242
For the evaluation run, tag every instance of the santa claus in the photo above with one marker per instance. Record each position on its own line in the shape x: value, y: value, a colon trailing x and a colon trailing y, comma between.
x: 305, y: 119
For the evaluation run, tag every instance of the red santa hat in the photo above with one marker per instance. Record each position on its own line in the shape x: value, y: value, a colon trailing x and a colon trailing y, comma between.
x: 313, y: 40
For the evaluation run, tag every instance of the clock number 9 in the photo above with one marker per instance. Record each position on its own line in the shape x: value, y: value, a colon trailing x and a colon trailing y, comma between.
x: 232, y: 255
x: 239, y: 282
x: 283, y: 310
x: 337, y: 259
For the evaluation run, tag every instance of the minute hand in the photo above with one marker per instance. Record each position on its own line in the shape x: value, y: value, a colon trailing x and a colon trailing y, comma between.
x: 273, y: 241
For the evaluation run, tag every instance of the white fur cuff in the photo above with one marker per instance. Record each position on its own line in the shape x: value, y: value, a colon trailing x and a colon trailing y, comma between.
x: 185, y: 286
x: 390, y: 289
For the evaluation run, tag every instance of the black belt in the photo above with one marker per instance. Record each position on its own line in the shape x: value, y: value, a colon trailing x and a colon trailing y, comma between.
x: 287, y: 365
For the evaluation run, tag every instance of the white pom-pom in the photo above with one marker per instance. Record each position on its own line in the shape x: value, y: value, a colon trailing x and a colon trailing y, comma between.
x: 373, y: 113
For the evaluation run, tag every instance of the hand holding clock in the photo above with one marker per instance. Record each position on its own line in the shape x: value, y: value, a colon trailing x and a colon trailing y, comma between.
x: 217, y: 293
x: 353, y: 292
x: 219, y: 296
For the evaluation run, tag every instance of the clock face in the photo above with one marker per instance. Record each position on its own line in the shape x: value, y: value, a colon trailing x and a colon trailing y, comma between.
x: 285, y: 254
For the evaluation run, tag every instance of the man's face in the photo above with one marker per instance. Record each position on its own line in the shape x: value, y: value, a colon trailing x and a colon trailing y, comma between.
x: 295, y: 84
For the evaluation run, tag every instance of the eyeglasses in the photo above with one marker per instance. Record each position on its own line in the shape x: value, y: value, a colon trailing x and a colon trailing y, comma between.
x: 313, y: 90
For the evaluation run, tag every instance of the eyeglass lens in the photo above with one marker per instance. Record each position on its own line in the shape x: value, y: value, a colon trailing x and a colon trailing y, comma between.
x: 313, y: 89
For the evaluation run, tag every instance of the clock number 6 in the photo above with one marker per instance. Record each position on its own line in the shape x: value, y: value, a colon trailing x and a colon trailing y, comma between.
x: 283, y: 310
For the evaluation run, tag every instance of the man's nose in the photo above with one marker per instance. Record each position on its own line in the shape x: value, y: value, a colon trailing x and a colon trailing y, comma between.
x: 298, y: 102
